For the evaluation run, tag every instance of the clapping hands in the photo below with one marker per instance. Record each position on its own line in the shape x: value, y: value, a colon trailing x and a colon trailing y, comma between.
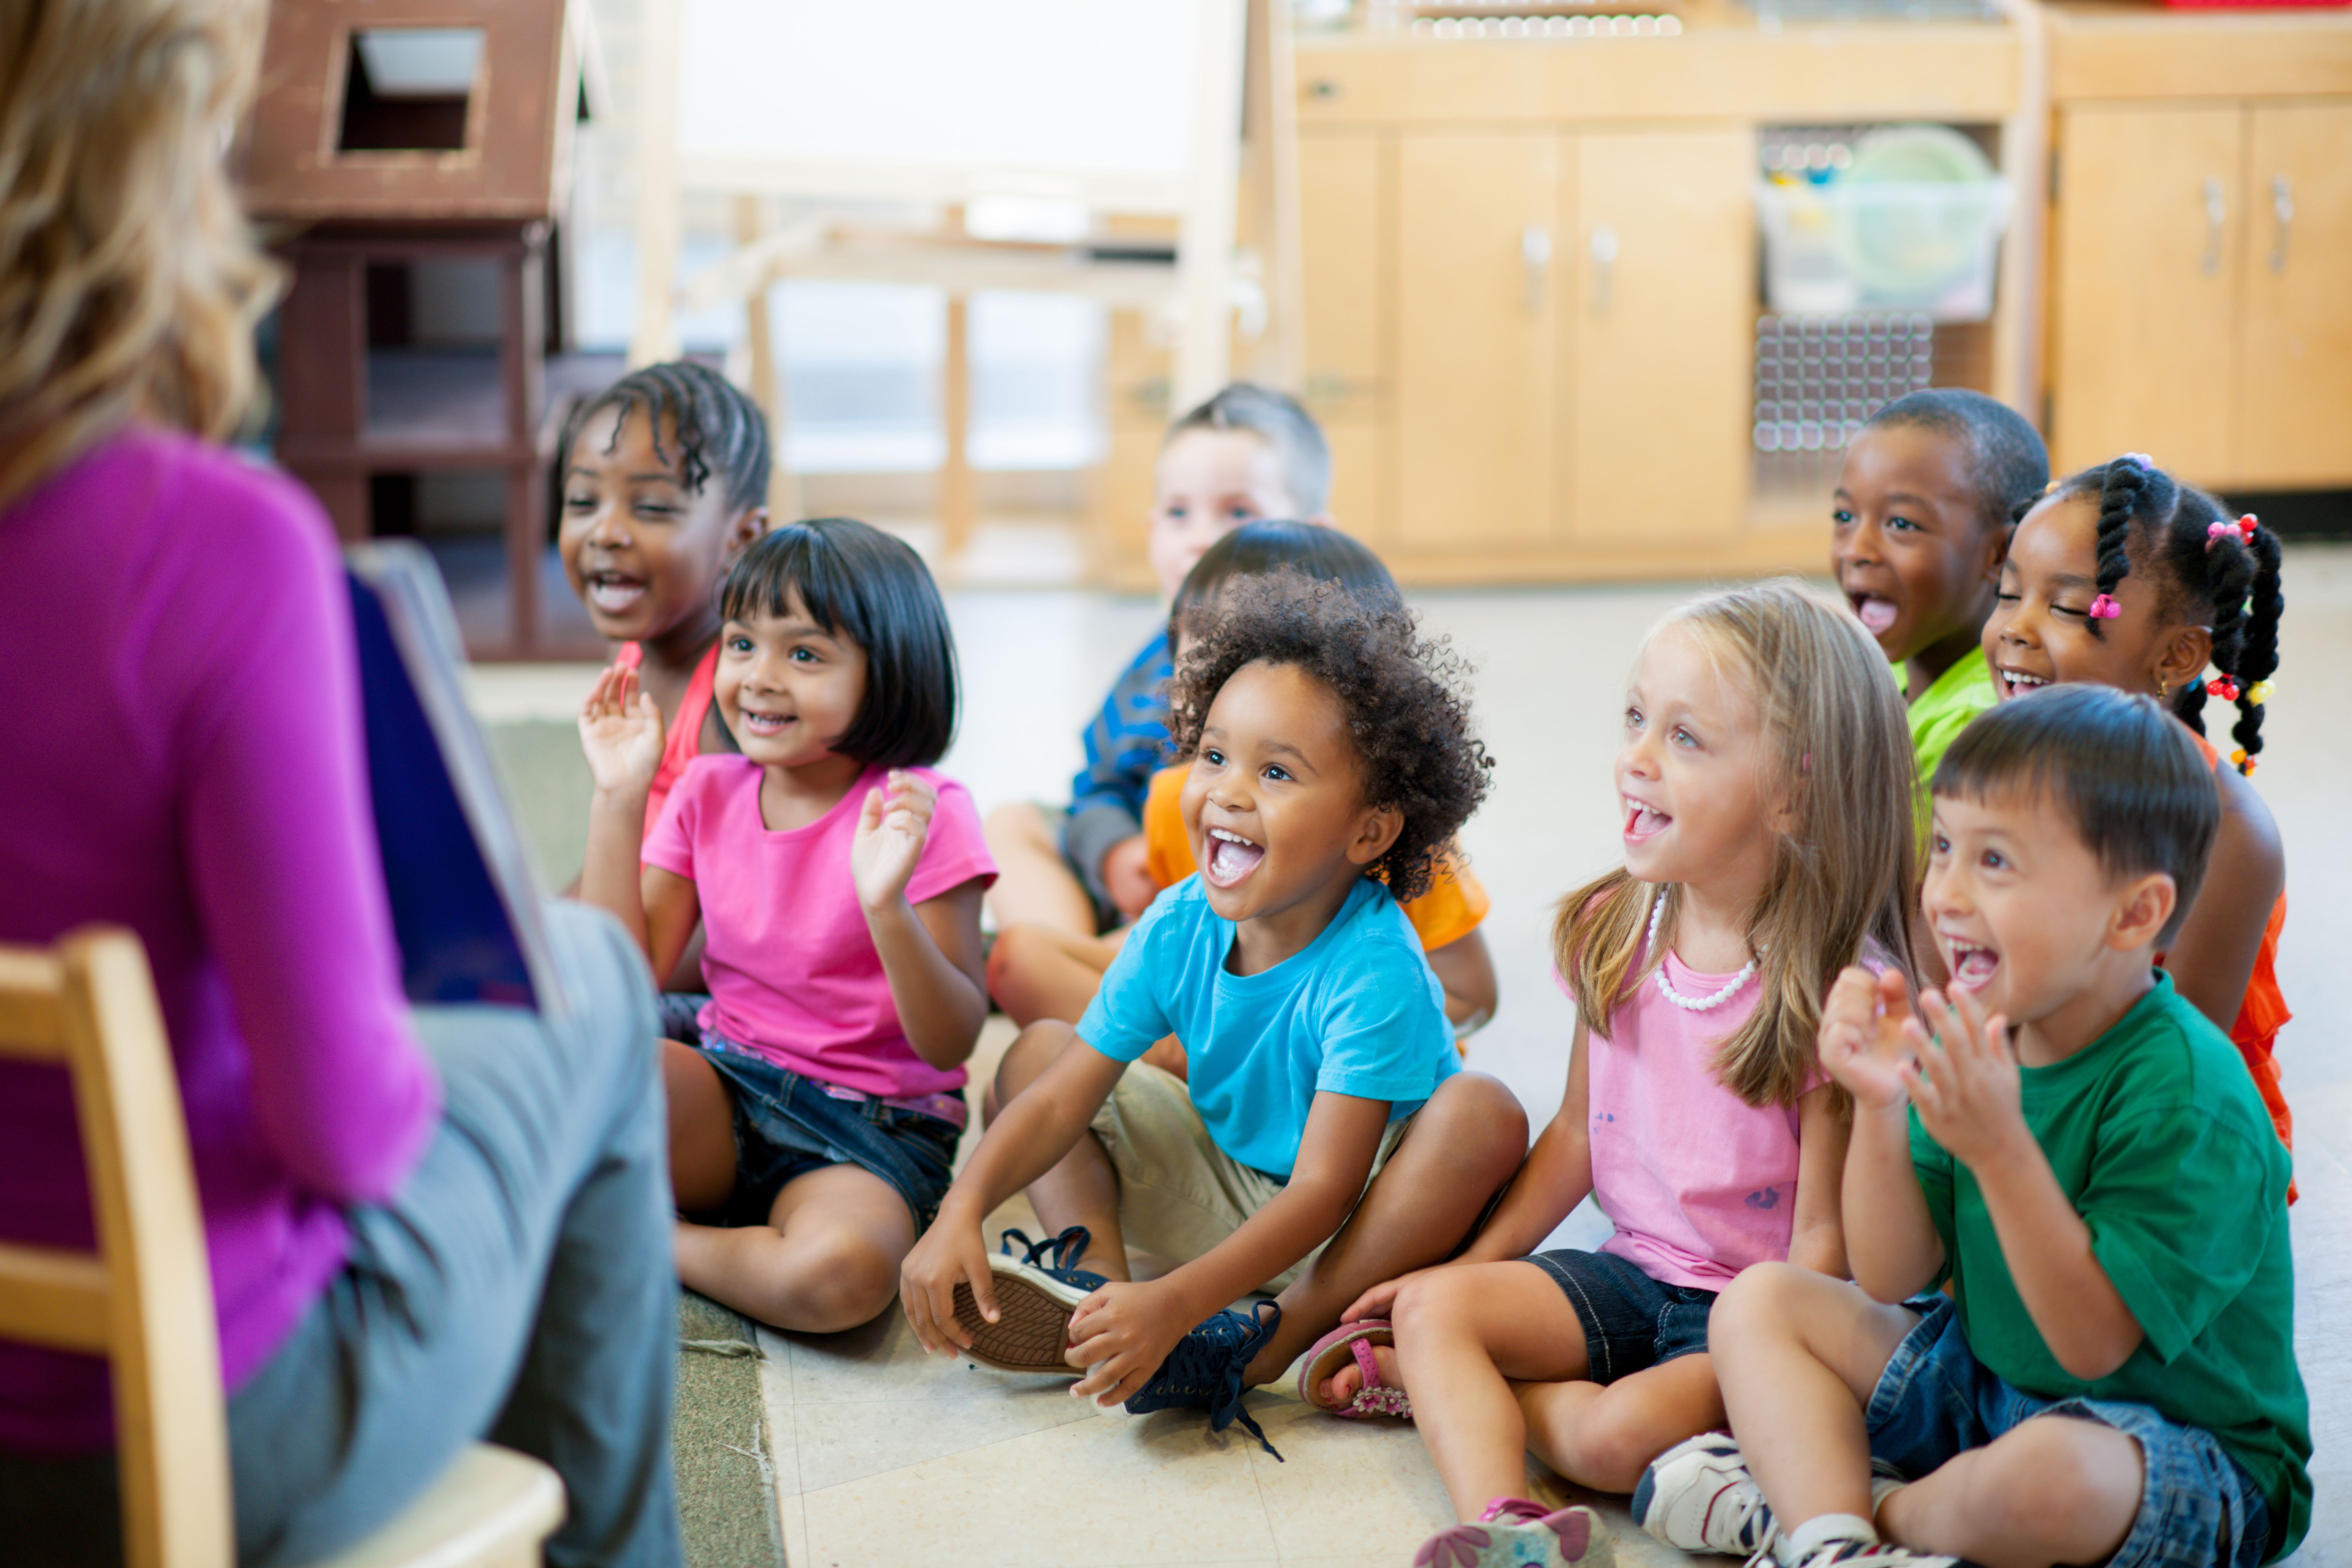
x: 1951, y: 1061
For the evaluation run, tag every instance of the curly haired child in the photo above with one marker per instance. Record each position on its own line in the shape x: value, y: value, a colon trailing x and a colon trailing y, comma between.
x: 2071, y: 1149
x: 1037, y: 972
x: 1766, y: 782
x: 2128, y: 578
x: 815, y: 1114
x: 1326, y: 1138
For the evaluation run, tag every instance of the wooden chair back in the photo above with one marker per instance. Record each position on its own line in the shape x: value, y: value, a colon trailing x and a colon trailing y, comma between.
x: 144, y: 1299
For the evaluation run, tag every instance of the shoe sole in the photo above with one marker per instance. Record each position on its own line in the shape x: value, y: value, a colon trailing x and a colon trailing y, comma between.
x: 1032, y: 1324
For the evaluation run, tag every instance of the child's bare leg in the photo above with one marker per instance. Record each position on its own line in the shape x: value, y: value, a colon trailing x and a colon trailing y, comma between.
x: 1604, y: 1437
x: 827, y: 1259
x: 1796, y: 1354
x: 2055, y: 1490
x: 702, y: 1129
x: 1082, y: 1189
x: 1464, y: 1144
x: 1035, y: 884
x: 1038, y: 971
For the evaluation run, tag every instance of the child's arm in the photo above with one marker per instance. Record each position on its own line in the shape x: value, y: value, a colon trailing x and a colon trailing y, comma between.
x: 1967, y: 1088
x: 1817, y: 1232
x: 1890, y: 1242
x: 1467, y: 971
x: 1122, y: 1333
x: 930, y: 956
x: 621, y: 732
x: 1028, y: 1138
x: 1556, y: 1176
x: 2211, y: 962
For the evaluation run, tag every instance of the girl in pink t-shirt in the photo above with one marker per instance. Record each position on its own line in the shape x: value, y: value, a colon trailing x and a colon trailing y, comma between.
x: 1765, y: 778
x: 837, y: 882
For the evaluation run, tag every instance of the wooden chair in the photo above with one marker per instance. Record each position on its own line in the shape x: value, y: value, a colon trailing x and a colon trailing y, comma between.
x: 144, y: 1299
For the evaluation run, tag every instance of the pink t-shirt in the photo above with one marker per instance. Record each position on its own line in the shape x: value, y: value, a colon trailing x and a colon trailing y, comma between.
x: 1699, y: 1184
x: 792, y: 972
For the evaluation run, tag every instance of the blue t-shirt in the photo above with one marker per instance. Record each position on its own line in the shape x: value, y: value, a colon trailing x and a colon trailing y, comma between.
x: 1354, y: 1012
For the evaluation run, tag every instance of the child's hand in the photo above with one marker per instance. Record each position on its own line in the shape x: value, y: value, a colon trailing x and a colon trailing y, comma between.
x: 891, y: 828
x: 1126, y: 877
x: 1868, y: 1035
x: 621, y: 732
x: 1120, y: 1334
x: 1965, y: 1083
x: 949, y: 1254
x: 1380, y: 1300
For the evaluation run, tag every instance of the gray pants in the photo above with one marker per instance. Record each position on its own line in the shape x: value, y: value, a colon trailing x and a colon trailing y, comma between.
x: 518, y: 1288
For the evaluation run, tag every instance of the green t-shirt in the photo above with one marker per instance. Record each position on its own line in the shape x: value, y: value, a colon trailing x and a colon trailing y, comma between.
x: 2156, y: 1134
x: 1941, y: 713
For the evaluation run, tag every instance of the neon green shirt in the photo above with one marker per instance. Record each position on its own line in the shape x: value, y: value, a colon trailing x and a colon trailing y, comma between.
x: 2156, y: 1134
x: 1941, y: 713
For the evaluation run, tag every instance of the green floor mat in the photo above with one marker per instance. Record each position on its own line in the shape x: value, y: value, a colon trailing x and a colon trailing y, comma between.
x: 726, y: 1484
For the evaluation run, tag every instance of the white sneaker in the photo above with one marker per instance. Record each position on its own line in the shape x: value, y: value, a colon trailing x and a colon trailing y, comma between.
x: 1843, y: 1552
x: 1697, y: 1496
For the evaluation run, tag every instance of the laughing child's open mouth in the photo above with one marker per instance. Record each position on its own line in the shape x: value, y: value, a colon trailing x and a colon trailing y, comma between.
x: 1230, y: 857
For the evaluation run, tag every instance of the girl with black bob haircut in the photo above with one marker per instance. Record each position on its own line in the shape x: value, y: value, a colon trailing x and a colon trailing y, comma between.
x: 2124, y: 576
x: 815, y: 1103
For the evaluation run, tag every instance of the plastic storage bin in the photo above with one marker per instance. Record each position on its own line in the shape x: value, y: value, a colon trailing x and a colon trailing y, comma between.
x: 1928, y: 245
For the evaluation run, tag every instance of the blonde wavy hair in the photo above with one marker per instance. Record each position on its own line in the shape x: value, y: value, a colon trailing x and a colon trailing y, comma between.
x: 129, y: 280
x: 1838, y: 753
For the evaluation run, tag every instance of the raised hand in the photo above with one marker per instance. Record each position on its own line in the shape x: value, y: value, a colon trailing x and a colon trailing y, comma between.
x: 1965, y: 1083
x: 1868, y: 1035
x: 621, y: 732
x: 891, y: 827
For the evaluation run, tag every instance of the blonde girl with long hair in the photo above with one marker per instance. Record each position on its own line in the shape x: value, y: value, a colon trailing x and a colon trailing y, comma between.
x: 1764, y: 773
x: 425, y: 1224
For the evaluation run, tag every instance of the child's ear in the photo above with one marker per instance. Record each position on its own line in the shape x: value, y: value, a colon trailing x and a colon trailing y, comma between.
x: 2142, y: 911
x: 1997, y: 550
x: 1376, y: 831
x: 2183, y: 656
x: 747, y: 526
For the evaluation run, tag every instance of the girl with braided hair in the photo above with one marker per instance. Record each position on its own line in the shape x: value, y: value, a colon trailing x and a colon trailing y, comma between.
x: 2127, y: 577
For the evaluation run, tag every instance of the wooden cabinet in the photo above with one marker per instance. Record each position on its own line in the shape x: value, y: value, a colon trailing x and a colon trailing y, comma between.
x: 2201, y: 290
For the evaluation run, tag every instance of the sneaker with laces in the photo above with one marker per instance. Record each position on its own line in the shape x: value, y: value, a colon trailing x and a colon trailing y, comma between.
x: 1514, y: 1534
x: 1845, y: 1552
x: 1035, y: 1293
x: 1697, y: 1496
x: 1205, y: 1370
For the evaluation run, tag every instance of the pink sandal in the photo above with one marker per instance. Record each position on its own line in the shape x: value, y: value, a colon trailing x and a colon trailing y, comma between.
x: 1331, y: 1351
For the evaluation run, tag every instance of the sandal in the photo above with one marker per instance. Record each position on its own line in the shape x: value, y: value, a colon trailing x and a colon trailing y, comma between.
x: 1332, y: 1351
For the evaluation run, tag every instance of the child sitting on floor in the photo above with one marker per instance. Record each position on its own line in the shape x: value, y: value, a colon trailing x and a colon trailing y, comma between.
x: 1247, y: 453
x: 1039, y: 971
x: 1325, y: 1139
x: 1926, y: 499
x: 2076, y: 1149
x: 1766, y: 783
x: 2131, y: 579
x: 839, y: 880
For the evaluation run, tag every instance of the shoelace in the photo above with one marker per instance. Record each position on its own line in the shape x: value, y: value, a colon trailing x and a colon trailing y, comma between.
x: 1211, y: 1359
x: 1064, y: 1249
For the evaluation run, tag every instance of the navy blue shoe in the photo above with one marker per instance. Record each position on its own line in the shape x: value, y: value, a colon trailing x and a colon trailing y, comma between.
x: 1035, y: 1293
x: 1205, y: 1370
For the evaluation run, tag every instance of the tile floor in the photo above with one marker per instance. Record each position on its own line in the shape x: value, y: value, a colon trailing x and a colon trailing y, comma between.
x: 884, y: 1457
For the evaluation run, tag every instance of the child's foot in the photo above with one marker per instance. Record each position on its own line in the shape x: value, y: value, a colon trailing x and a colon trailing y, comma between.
x: 1515, y: 1533
x: 1697, y: 1496
x: 1204, y: 1372
x: 1352, y: 1371
x: 1035, y: 1294
x: 1853, y: 1551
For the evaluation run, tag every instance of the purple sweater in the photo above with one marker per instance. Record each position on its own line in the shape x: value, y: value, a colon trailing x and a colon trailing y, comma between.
x: 182, y: 755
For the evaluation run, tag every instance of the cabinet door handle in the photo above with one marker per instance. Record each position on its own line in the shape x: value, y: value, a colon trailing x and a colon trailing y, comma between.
x: 1604, y: 268
x: 2217, y: 216
x: 1534, y: 265
x: 2282, y: 209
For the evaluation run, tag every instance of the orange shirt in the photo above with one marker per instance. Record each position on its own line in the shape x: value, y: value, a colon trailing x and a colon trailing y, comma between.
x: 682, y: 740
x: 2263, y: 1011
x: 1449, y: 911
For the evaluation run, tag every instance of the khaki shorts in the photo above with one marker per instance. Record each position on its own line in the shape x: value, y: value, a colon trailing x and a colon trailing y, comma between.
x: 1179, y: 1193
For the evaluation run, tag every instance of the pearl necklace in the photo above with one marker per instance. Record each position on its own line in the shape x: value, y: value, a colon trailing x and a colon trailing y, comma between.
x: 1665, y: 986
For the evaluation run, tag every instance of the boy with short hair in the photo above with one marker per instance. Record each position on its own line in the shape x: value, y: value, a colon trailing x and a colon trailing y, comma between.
x: 1248, y: 453
x: 2111, y: 1379
x: 1324, y: 1139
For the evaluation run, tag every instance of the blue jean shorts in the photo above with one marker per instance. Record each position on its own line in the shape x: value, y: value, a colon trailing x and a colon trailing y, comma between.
x: 787, y: 1125
x: 2198, y: 1508
x: 1631, y: 1322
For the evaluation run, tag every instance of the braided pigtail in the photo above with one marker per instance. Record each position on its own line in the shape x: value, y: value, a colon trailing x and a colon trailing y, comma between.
x: 2123, y: 489
x: 2258, y: 659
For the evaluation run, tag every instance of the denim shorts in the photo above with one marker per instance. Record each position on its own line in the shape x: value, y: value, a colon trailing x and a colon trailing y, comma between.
x: 1631, y: 1320
x: 787, y: 1125
x: 2198, y: 1508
